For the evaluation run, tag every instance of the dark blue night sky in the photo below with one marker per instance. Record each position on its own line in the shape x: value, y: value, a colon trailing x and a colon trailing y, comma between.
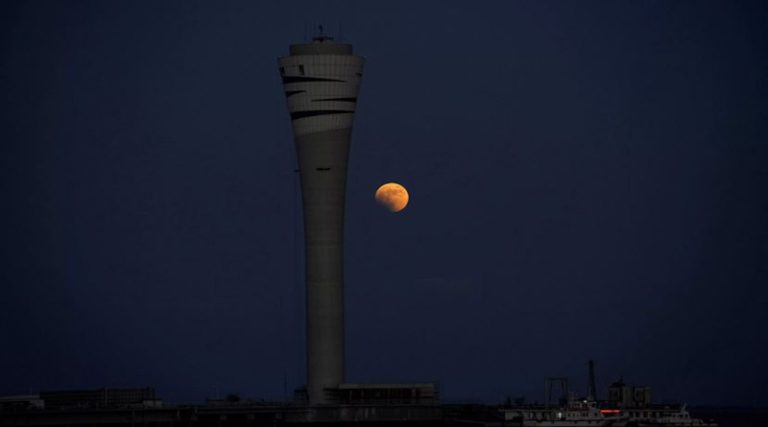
x: 587, y: 179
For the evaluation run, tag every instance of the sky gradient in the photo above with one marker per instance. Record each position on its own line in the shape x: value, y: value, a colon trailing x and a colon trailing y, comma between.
x: 587, y: 181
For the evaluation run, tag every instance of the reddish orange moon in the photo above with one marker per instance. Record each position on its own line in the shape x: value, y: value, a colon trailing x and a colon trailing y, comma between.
x: 392, y: 195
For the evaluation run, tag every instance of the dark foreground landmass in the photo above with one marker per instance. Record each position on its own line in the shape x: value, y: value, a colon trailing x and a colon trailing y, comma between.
x: 254, y: 415
x: 731, y: 416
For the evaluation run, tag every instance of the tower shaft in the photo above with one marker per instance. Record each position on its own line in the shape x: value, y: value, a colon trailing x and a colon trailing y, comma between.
x: 321, y: 81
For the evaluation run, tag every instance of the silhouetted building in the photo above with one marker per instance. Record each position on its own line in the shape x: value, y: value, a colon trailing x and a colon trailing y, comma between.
x: 101, y: 398
x: 382, y: 394
x: 21, y: 403
x: 629, y: 396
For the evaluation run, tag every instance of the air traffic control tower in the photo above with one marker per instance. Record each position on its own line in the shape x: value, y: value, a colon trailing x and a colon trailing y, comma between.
x: 321, y: 81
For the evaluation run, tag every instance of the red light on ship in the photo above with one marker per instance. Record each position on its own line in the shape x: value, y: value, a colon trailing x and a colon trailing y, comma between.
x: 610, y: 411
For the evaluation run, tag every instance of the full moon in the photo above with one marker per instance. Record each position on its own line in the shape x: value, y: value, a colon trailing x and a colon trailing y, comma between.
x: 392, y: 195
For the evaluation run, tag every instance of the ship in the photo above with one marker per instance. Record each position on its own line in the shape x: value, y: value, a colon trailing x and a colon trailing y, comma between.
x: 626, y: 406
x: 591, y: 413
x: 574, y: 414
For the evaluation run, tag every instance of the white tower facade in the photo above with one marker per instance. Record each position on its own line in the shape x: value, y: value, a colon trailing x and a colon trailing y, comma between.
x: 321, y: 81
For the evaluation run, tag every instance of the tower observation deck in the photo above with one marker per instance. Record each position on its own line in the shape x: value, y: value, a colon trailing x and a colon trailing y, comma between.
x: 321, y: 81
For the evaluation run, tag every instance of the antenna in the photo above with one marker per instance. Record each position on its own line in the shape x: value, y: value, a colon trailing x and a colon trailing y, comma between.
x: 592, y: 386
x: 321, y: 37
x: 561, y: 383
x: 285, y: 385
